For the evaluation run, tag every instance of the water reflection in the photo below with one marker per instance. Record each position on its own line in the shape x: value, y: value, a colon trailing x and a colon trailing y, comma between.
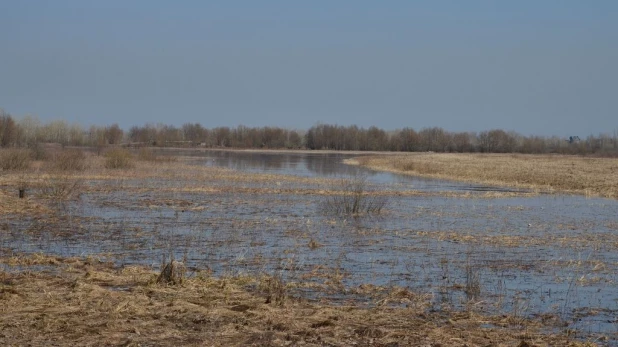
x: 301, y: 164
x: 316, y: 164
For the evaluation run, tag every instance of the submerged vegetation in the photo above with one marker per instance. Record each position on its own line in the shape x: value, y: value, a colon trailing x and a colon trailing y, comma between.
x: 352, y: 198
x: 80, y: 259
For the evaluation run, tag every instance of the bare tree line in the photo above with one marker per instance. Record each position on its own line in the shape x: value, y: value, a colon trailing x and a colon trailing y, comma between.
x: 30, y: 131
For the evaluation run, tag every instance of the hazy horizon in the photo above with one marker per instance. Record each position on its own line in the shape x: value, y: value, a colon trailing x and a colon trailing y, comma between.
x: 536, y: 68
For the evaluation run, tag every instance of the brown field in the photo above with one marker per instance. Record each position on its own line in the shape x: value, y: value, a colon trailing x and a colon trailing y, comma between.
x: 571, y: 174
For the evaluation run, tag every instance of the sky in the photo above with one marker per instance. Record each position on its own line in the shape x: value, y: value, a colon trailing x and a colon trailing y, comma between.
x: 537, y: 67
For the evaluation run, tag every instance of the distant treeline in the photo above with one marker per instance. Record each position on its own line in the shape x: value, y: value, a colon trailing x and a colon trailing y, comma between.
x: 30, y: 131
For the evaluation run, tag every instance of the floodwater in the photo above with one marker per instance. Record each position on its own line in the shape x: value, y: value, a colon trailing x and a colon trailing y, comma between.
x: 549, y: 255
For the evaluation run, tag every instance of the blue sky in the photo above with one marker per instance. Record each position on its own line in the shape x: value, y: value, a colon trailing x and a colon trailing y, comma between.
x: 536, y: 67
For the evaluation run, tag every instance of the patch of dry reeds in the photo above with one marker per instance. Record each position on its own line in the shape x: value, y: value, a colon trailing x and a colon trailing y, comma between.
x: 79, y: 301
x: 15, y: 159
x: 172, y: 272
x: 69, y: 160
x: 118, y: 158
x: 582, y: 175
x: 274, y: 289
x: 61, y: 187
x: 352, y: 198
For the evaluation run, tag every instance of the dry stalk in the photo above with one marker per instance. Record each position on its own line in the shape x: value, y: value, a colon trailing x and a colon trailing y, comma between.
x: 173, y: 273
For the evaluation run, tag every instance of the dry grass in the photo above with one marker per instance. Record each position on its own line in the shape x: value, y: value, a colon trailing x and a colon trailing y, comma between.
x: 88, y: 302
x: 172, y: 272
x: 581, y: 175
x: 354, y: 199
x: 69, y: 160
x: 118, y: 158
x: 15, y: 159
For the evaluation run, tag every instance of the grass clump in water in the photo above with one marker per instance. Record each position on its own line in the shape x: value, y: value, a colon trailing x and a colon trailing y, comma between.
x: 354, y: 199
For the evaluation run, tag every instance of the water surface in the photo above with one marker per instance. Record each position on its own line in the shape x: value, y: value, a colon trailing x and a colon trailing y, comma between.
x: 552, y: 255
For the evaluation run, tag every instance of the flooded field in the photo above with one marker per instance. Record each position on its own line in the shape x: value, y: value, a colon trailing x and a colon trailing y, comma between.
x: 463, y: 247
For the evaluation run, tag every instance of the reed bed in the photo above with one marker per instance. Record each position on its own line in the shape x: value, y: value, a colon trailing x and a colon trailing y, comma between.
x: 571, y: 174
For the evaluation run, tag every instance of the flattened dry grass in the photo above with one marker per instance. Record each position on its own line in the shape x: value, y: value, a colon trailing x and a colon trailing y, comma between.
x: 581, y: 175
x: 87, y: 302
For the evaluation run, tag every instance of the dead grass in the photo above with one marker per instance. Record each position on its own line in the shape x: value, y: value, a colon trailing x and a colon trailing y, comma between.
x: 581, y: 175
x: 15, y: 159
x: 69, y: 160
x: 118, y: 158
x: 88, y: 302
x: 172, y: 273
x: 355, y: 200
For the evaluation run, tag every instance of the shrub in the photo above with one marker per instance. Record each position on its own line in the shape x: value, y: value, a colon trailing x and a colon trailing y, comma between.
x: 61, y: 188
x: 15, y: 159
x: 353, y: 199
x: 118, y: 159
x: 70, y: 160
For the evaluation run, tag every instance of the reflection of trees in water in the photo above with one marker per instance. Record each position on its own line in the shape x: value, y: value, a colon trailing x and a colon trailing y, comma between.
x: 332, y: 165
x: 254, y: 161
x: 314, y: 163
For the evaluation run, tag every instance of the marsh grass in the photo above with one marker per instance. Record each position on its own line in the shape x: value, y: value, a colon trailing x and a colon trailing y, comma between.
x: 95, y: 303
x: 15, y: 159
x: 354, y: 199
x: 118, y: 158
x: 69, y: 160
x: 172, y: 272
x: 61, y: 187
x: 274, y: 289
x: 473, y: 281
x: 219, y: 306
x: 575, y: 174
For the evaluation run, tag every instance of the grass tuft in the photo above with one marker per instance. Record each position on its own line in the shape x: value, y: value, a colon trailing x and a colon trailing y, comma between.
x: 274, y: 289
x: 173, y: 273
x: 354, y: 199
